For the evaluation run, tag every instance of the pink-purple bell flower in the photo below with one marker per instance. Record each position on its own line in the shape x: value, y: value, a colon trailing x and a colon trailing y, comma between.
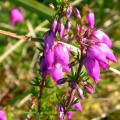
x: 62, y: 54
x: 92, y: 68
x: 100, y: 36
x: 95, y: 52
x: 16, y: 16
x: 56, y: 72
x: 2, y: 114
x: 49, y: 39
x: 90, y: 18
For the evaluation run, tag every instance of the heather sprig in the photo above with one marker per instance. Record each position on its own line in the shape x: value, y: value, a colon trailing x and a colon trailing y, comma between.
x: 95, y: 53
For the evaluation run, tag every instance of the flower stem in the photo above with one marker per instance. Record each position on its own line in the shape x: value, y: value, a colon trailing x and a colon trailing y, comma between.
x: 40, y: 94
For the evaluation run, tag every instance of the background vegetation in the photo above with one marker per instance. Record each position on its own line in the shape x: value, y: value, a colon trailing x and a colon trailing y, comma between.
x: 19, y: 59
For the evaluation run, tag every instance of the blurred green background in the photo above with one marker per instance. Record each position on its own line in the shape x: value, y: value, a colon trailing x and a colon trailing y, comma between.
x: 19, y: 59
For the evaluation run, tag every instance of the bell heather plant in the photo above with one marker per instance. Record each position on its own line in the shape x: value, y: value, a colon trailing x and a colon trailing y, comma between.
x: 95, y: 53
x: 73, y: 52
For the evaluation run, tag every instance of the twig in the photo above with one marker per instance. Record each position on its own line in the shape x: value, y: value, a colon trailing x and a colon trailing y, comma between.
x: 14, y: 47
x: 20, y: 36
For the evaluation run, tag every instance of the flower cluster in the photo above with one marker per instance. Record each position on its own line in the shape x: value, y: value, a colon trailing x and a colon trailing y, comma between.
x: 95, y: 52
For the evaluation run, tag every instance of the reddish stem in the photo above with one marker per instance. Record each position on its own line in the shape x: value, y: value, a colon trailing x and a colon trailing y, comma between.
x: 40, y: 94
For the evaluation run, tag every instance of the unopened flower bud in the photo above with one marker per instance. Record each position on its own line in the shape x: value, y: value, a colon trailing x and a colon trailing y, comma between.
x: 60, y: 111
x: 89, y: 88
x: 51, y: 6
x: 90, y: 18
x: 80, y: 93
x: 77, y: 29
x: 72, y: 85
x: 68, y: 12
x: 76, y: 12
x: 60, y: 28
x: 61, y: 81
x: 68, y: 26
x: 54, y: 25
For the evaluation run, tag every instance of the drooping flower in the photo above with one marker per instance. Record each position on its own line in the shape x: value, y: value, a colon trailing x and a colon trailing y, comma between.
x: 95, y: 52
x: 56, y: 72
x: 16, y: 16
x: 2, y: 114
x: 62, y: 54
x: 90, y: 18
x: 92, y: 68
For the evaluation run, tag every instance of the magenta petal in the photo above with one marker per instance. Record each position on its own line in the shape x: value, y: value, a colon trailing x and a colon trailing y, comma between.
x: 49, y: 39
x: 108, y: 52
x: 49, y: 57
x: 90, y: 18
x: 56, y: 72
x: 92, y: 68
x: 69, y: 114
x: 62, y: 54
